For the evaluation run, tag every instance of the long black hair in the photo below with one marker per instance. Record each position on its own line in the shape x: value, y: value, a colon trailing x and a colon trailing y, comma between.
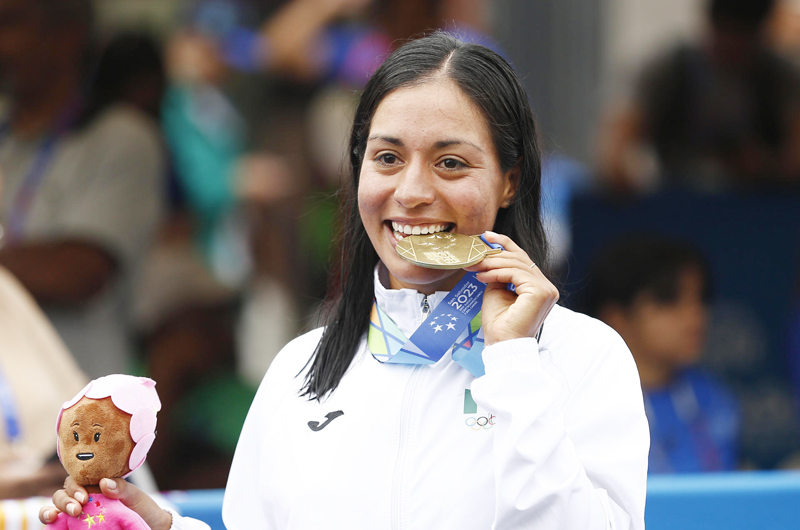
x: 492, y: 85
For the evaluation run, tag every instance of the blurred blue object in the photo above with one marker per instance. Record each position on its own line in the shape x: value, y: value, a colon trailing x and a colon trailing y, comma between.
x: 205, y: 505
x: 724, y: 501
x: 694, y: 425
x: 729, y: 501
x: 562, y: 179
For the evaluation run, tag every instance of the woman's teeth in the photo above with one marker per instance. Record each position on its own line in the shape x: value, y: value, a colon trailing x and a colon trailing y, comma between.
x: 408, y: 230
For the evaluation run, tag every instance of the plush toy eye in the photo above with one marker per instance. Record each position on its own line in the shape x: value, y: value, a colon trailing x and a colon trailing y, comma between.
x: 75, y: 434
x: 97, y: 437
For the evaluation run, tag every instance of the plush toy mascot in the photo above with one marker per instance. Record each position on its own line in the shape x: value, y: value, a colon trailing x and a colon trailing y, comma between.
x: 105, y: 432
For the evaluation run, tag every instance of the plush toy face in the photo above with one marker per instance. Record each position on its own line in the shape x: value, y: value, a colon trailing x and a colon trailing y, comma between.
x: 94, y: 440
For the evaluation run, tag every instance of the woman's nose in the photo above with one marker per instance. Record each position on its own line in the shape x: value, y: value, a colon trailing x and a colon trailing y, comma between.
x: 415, y: 186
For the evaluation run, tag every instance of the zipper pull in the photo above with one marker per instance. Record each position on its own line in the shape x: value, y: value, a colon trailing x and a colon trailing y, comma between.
x: 426, y: 309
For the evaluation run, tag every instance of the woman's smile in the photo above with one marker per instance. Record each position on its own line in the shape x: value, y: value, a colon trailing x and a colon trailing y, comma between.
x: 403, y: 229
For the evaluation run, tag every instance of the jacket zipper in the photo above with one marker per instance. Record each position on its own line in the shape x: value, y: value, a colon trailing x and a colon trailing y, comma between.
x: 405, y: 426
x: 399, y: 466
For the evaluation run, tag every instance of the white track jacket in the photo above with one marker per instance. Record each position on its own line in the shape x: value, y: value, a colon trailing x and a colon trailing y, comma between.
x: 554, y: 436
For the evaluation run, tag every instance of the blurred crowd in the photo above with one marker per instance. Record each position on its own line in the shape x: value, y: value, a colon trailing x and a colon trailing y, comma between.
x: 168, y: 206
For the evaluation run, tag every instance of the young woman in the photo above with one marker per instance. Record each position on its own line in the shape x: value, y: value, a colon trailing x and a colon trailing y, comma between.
x: 552, y: 436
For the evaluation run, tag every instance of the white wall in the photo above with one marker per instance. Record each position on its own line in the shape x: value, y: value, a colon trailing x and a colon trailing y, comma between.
x: 636, y: 30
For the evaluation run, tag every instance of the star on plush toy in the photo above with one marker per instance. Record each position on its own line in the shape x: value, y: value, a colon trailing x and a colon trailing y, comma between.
x: 105, y: 432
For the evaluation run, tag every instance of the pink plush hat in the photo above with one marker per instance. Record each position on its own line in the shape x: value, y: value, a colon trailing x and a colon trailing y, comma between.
x: 135, y: 395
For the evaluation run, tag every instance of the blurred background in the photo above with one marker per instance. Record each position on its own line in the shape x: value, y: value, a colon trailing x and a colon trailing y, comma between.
x: 167, y: 195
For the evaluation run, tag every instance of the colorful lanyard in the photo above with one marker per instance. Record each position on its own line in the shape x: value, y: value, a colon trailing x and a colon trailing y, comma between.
x: 8, y: 406
x: 386, y: 342
x: 23, y: 201
x: 447, y: 324
x: 453, y: 325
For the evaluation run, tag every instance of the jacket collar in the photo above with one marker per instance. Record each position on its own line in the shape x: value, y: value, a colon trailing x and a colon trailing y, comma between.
x: 404, y: 306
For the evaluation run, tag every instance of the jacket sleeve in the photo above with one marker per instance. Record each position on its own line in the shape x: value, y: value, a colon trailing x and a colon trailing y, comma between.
x: 567, y: 454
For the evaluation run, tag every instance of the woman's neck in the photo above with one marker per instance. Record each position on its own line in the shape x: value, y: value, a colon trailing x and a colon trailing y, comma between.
x: 446, y: 284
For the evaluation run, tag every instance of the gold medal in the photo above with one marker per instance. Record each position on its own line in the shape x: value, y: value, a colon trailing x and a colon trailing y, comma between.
x: 444, y: 250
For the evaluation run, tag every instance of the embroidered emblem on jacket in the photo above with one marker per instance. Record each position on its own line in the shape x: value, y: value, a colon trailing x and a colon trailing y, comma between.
x: 329, y: 417
x: 477, y: 420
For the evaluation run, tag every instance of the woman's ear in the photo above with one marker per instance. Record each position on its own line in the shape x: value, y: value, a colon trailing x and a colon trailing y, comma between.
x: 511, y: 184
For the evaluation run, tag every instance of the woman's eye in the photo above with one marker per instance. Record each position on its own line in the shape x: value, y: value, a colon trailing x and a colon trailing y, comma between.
x: 97, y: 437
x: 387, y: 159
x: 76, y: 436
x: 452, y: 163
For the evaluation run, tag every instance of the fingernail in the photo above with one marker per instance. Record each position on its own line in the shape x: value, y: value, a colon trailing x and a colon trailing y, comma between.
x: 73, y: 509
x: 110, y: 484
x: 47, y: 514
x: 490, y: 233
x: 80, y: 497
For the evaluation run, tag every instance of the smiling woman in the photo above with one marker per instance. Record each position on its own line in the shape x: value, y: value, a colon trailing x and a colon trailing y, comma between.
x: 370, y: 421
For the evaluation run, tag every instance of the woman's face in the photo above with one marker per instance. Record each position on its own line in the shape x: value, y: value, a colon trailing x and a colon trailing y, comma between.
x: 430, y: 165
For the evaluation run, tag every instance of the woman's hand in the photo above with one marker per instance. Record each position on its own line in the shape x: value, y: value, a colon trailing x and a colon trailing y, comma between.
x: 506, y: 315
x: 72, y: 498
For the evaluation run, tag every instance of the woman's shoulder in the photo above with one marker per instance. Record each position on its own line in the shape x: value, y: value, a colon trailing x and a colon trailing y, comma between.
x: 569, y: 328
x: 286, y: 374
x: 293, y: 358
x: 578, y: 342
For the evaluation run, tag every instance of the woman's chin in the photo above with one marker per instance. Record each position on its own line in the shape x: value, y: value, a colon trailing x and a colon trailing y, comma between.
x: 405, y: 275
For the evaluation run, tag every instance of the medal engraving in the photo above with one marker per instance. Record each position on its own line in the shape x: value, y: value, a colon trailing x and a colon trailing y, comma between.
x: 444, y: 250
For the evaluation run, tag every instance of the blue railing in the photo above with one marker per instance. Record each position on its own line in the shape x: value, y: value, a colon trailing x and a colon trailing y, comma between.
x: 724, y: 501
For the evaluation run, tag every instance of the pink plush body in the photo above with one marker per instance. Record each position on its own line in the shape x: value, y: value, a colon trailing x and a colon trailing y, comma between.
x: 101, y: 513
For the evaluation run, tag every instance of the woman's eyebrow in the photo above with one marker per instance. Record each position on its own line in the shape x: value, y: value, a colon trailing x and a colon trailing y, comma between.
x: 441, y: 144
x: 446, y: 143
x: 389, y: 139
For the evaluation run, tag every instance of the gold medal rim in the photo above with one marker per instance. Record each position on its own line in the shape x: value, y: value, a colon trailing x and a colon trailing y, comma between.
x: 488, y: 251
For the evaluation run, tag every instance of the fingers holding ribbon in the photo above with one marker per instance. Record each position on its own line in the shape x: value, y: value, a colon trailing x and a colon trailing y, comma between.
x: 506, y: 315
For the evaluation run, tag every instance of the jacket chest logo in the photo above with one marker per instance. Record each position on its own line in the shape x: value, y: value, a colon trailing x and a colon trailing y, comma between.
x: 329, y: 417
x: 476, y: 419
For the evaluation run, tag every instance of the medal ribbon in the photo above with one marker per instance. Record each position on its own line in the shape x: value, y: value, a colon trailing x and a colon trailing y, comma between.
x: 454, y: 324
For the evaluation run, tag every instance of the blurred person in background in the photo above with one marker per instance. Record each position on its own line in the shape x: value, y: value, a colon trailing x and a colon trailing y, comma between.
x: 83, y: 184
x: 784, y: 29
x: 719, y: 115
x: 37, y: 375
x: 654, y: 292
